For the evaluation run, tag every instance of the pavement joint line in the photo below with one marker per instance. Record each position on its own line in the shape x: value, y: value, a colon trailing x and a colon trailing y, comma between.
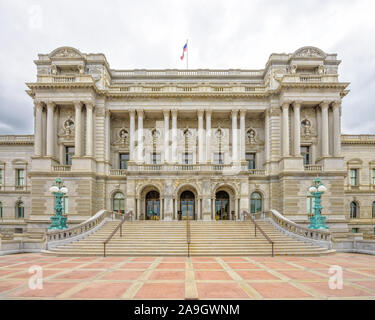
x: 191, y: 290
x: 308, y: 290
x: 249, y: 290
x: 74, y: 289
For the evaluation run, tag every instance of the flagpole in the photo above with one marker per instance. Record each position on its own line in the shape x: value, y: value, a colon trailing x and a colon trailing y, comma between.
x: 187, y: 55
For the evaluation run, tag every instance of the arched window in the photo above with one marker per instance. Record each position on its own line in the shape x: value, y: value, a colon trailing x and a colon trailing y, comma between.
x: 20, y: 210
x: 1, y: 210
x: 373, y: 210
x: 255, y: 202
x: 118, y: 203
x: 353, y: 210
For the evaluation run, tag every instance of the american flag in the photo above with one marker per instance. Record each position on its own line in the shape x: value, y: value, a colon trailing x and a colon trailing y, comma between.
x: 183, y: 51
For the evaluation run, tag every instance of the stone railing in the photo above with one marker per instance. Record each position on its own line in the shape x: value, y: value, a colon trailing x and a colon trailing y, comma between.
x: 317, y: 237
x: 359, y: 138
x: 17, y: 139
x: 64, y: 78
x: 257, y: 172
x: 309, y: 78
x: 168, y: 89
x: 118, y: 172
x: 62, y: 168
x: 60, y: 237
x: 314, y: 167
x: 186, y: 73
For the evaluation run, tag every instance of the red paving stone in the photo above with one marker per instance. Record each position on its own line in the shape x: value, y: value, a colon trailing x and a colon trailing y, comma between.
x: 256, y: 275
x: 220, y: 291
x: 27, y: 275
x: 77, y: 275
x: 171, y: 265
x: 161, y: 290
x: 346, y: 291
x: 62, y: 265
x: 279, y: 290
x: 207, y: 266
x: 7, y: 285
x: 50, y: 290
x: 102, y: 290
x: 122, y: 275
x: 203, y: 259
x: 167, y: 275
x: 311, y: 264
x: 212, y: 275
x: 234, y: 259
x: 143, y: 259
x: 278, y: 265
x: 135, y: 265
x: 114, y: 259
x: 301, y: 275
x: 366, y: 284
x: 174, y: 259
x: 97, y: 266
x: 243, y: 265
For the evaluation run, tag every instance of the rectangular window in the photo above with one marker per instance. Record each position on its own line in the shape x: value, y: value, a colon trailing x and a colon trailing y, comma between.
x: 124, y: 158
x: 353, y: 177
x: 250, y: 158
x: 155, y: 158
x: 373, y: 176
x: 69, y: 153
x: 1, y: 177
x: 20, y: 177
x: 188, y: 158
x: 305, y: 153
x: 219, y: 158
x: 354, y: 230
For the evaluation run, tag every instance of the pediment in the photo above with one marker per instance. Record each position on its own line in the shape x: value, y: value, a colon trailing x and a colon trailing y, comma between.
x: 65, y: 52
x: 309, y: 52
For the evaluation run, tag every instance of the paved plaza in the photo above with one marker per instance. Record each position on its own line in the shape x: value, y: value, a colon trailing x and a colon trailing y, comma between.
x: 187, y: 278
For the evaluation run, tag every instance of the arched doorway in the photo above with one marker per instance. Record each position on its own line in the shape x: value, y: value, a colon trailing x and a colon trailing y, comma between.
x: 118, y: 203
x: 222, y: 206
x: 255, y: 202
x: 152, y: 205
x: 187, y: 205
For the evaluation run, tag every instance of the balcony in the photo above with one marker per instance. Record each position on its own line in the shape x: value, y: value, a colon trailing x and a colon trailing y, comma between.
x: 313, y: 168
x: 81, y: 78
x: 17, y: 139
x: 313, y: 78
x: 61, y: 168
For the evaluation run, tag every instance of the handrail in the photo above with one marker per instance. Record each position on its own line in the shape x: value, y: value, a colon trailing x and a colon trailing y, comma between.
x: 119, y: 226
x: 188, y: 239
x: 260, y: 229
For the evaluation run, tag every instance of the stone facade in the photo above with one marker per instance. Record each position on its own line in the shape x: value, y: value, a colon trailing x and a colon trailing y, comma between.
x: 234, y: 139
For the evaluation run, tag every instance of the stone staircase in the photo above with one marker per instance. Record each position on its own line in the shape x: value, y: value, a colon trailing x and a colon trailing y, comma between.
x: 208, y: 238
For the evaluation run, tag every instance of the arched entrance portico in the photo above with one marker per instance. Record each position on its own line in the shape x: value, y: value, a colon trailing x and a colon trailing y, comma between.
x: 187, y: 205
x: 152, y: 203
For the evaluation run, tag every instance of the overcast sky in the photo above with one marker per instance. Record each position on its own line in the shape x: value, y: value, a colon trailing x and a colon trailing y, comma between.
x: 222, y: 34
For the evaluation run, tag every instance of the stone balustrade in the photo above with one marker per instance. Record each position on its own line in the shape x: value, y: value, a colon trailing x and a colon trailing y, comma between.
x: 309, y: 78
x: 16, y: 139
x: 83, y: 78
x: 61, y: 168
x: 314, y: 167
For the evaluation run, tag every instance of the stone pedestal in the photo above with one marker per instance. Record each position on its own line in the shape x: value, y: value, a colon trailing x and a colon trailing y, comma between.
x: 332, y: 163
x: 43, y: 164
x: 291, y: 164
x: 83, y: 164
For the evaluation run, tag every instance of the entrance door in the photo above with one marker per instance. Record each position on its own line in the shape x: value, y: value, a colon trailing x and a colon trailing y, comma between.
x: 222, y: 206
x: 187, y: 202
x: 153, y: 205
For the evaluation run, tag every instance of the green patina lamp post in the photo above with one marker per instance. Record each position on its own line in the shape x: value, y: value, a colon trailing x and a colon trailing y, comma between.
x: 317, y: 221
x: 58, y: 221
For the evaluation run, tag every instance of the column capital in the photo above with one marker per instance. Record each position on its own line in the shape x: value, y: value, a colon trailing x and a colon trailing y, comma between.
x: 243, y: 112
x: 50, y: 105
x: 38, y: 103
x: 174, y: 112
x: 336, y: 104
x: 166, y: 112
x: 140, y: 113
x: 324, y: 104
x: 200, y: 113
x: 131, y: 112
x: 297, y: 104
x: 285, y: 104
x: 89, y: 104
x: 208, y: 112
x: 77, y: 104
x: 107, y: 113
x: 234, y: 113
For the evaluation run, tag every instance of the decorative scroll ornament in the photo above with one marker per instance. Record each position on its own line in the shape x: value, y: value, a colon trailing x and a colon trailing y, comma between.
x: 66, y: 53
x: 309, y: 52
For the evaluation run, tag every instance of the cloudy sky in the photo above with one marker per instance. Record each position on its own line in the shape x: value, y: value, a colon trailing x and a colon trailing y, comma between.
x: 221, y: 33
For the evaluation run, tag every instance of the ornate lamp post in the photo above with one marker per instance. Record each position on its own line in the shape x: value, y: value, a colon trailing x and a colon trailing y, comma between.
x: 59, y: 190
x: 317, y: 221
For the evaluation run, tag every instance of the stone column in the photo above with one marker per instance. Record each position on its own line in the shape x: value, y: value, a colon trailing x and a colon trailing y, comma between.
x: 132, y: 135
x: 234, y: 136
x: 108, y: 136
x: 285, y: 137
x: 208, y: 135
x: 166, y: 136
x: 336, y: 128
x: 200, y: 137
x: 174, y: 136
x: 50, y: 129
x: 243, y: 134
x: 140, y: 136
x: 38, y: 149
x: 78, y: 129
x: 89, y: 129
x: 325, y: 150
x: 297, y: 129
x: 267, y: 135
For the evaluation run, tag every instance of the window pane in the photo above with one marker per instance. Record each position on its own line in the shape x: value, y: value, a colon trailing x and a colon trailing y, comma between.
x: 124, y: 158
x: 20, y: 177
x: 1, y: 177
x: 250, y: 157
x: 305, y: 152
x: 69, y: 153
